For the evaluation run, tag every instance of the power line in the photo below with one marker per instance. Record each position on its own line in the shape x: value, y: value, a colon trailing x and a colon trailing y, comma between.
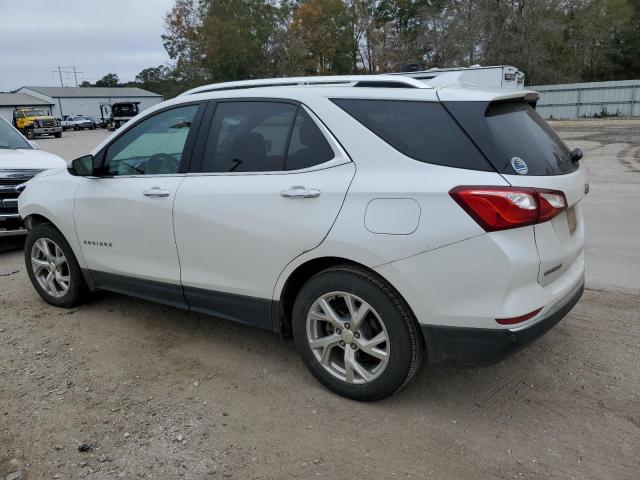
x: 67, y: 71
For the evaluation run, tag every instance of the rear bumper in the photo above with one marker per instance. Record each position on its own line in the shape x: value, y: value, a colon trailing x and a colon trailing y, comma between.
x: 457, y: 346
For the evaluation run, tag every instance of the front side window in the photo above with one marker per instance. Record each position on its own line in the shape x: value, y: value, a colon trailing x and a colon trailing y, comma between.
x: 154, y: 146
x: 249, y: 137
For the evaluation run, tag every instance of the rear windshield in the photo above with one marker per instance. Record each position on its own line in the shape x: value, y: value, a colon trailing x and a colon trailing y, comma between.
x: 424, y: 131
x: 519, y: 131
x: 513, y: 134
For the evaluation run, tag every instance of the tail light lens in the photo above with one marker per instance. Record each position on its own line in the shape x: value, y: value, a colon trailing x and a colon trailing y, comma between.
x: 502, y: 208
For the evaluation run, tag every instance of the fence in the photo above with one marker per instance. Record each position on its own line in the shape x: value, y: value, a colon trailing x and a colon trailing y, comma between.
x: 621, y: 98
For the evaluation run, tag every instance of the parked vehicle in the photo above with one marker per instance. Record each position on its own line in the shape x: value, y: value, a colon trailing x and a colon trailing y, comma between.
x: 77, y: 122
x: 458, y: 237
x: 117, y: 114
x: 501, y: 76
x: 20, y: 160
x: 97, y: 122
x: 32, y: 122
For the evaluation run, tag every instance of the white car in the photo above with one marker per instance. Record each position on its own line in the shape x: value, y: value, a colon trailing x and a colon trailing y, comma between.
x: 376, y: 218
x: 20, y: 160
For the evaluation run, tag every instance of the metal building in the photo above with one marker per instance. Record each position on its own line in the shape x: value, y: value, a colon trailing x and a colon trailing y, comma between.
x: 10, y: 101
x: 87, y: 100
x: 574, y: 100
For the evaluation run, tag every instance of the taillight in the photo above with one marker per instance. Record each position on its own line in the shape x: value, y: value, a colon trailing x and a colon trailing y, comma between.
x: 501, y: 208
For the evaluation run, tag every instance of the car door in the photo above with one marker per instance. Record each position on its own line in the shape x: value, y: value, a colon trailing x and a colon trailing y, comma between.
x: 270, y: 184
x: 124, y: 216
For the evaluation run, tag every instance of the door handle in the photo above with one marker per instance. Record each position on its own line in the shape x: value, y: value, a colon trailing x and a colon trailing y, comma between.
x: 156, y: 192
x: 300, y: 192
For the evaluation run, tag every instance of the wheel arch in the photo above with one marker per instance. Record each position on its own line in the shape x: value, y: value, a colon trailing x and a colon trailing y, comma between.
x: 34, y: 219
x: 301, y: 274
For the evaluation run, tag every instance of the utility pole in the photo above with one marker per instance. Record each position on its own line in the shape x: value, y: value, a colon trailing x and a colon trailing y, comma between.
x: 67, y: 71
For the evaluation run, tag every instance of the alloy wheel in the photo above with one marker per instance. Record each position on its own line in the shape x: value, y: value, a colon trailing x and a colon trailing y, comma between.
x: 348, y: 337
x: 50, y: 267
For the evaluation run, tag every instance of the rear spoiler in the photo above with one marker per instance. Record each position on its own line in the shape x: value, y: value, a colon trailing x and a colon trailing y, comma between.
x: 457, y: 93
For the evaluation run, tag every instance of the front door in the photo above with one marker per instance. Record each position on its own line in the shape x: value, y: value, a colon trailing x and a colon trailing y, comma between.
x: 270, y: 187
x: 124, y: 217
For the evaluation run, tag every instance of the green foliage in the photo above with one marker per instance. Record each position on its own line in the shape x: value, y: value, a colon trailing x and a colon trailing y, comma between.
x: 552, y: 41
x: 109, y: 80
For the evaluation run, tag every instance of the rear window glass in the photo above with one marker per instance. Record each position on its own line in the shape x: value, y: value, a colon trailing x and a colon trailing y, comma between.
x: 423, y: 131
x: 519, y: 131
x: 308, y: 146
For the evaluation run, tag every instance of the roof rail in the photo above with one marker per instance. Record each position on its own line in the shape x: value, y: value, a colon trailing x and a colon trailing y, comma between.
x: 377, y: 81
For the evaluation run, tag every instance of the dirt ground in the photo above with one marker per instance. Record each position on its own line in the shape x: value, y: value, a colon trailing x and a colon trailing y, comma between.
x: 155, y: 392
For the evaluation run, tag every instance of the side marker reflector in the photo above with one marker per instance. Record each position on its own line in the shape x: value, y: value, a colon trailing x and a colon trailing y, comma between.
x: 520, y: 319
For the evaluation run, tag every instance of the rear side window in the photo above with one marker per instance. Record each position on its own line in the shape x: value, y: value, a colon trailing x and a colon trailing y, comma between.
x: 308, y: 146
x: 520, y: 132
x: 249, y: 137
x: 423, y: 131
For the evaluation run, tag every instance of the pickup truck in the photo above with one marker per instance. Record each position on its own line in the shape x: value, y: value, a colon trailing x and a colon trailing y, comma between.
x: 77, y: 122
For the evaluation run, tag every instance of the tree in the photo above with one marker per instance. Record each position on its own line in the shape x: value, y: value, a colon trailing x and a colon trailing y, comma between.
x: 327, y: 29
x: 109, y: 80
x: 550, y: 40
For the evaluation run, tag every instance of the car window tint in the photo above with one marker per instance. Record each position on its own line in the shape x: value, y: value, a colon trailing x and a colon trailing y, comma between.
x: 152, y: 147
x: 308, y: 146
x: 248, y: 137
x: 423, y: 131
x: 519, y: 131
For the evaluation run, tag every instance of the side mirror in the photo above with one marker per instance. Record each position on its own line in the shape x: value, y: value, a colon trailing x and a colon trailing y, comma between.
x: 82, y: 167
x: 576, y: 155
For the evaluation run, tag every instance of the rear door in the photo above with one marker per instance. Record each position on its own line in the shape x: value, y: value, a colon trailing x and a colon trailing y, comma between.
x: 270, y: 185
x: 528, y: 153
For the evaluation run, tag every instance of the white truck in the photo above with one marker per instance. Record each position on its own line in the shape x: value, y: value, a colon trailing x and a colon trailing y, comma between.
x: 77, y: 122
x: 501, y: 76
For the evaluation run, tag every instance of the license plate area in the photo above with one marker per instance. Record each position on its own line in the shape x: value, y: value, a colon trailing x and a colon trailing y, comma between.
x: 572, y: 220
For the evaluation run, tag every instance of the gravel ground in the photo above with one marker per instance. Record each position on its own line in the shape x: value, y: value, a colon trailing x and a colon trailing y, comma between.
x: 155, y: 392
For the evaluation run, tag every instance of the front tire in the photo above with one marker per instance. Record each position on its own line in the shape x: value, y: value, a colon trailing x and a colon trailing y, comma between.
x: 29, y: 133
x: 53, y: 268
x: 356, y: 334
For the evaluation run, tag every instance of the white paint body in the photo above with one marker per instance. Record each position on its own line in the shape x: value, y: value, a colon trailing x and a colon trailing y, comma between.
x: 235, y: 233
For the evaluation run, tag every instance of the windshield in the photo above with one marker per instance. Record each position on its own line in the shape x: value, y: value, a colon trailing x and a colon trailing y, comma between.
x: 81, y: 118
x: 10, y: 138
x: 37, y: 113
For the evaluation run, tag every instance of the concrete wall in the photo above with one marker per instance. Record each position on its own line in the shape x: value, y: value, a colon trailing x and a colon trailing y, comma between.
x: 621, y: 98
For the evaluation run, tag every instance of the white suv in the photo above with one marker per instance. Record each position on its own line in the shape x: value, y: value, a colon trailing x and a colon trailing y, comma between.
x: 375, y: 218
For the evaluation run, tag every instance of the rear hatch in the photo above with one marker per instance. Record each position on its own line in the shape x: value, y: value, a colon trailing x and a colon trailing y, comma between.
x: 527, y: 152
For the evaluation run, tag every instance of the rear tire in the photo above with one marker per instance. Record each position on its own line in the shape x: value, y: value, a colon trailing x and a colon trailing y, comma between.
x: 368, y: 345
x: 57, y: 134
x: 53, y: 268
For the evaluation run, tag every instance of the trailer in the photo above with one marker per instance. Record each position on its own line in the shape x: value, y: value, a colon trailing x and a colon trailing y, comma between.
x: 499, y: 76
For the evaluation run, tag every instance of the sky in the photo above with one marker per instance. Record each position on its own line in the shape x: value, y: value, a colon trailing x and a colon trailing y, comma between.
x: 95, y: 36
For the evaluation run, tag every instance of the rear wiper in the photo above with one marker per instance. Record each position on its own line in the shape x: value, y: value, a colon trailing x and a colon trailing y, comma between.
x: 8, y: 147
